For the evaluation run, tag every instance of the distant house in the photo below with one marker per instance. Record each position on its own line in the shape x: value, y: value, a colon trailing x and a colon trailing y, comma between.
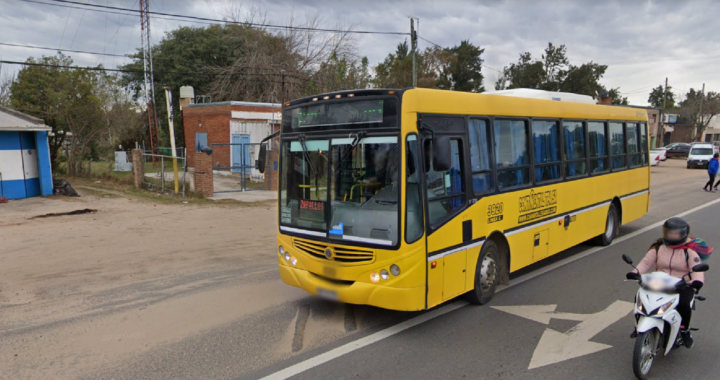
x: 25, y: 167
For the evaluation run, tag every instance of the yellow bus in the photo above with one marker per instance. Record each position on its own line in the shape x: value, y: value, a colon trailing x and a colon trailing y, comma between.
x: 404, y: 199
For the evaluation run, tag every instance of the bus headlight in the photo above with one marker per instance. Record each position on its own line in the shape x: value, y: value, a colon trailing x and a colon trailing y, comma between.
x: 293, y: 260
x: 287, y: 256
x: 374, y: 277
x: 384, y: 274
x: 281, y: 250
x: 395, y: 270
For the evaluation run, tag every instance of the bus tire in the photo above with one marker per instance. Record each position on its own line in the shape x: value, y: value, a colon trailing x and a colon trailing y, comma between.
x: 611, y: 228
x: 487, y: 274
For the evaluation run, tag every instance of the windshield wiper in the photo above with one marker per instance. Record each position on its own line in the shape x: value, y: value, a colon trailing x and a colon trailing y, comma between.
x: 385, y: 203
x: 306, y: 155
x: 347, y: 153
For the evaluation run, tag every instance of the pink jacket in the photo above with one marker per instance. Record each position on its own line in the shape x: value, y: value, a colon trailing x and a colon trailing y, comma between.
x: 672, y: 262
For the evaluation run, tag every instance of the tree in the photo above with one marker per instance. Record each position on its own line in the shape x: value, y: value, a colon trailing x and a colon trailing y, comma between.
x: 396, y: 70
x: 340, y: 74
x: 6, y: 82
x: 617, y: 98
x: 464, y: 69
x: 526, y: 73
x: 658, y: 93
x: 243, y: 62
x: 584, y: 79
x: 36, y: 91
x: 78, y: 104
x: 698, y: 109
x: 435, y: 67
x: 553, y: 72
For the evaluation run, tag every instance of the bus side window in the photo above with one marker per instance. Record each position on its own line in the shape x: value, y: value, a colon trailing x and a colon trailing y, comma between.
x: 546, y: 145
x: 633, y: 140
x: 512, y: 156
x: 413, y: 198
x: 445, y: 189
x: 643, y: 143
x: 617, y: 146
x: 598, y: 147
x: 480, y: 156
x: 575, y: 163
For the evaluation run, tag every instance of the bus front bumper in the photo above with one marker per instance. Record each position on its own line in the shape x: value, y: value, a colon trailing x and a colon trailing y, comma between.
x: 359, y: 293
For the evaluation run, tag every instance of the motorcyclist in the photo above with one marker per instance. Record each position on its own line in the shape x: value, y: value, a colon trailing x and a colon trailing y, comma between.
x: 668, y: 255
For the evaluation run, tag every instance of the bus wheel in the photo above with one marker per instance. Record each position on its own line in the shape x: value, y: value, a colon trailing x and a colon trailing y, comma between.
x: 487, y: 274
x: 611, y: 228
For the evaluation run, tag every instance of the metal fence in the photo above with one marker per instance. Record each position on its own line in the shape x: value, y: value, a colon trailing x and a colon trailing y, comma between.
x: 159, y: 174
x: 235, y: 167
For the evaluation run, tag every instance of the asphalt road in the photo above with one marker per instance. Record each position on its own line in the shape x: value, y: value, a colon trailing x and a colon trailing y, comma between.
x: 486, y: 342
x: 457, y: 340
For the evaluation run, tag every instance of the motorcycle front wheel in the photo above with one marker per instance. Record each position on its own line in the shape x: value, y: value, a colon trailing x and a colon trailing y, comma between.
x: 644, y: 353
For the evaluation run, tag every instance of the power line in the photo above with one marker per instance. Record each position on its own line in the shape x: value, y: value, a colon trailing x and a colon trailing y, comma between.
x: 64, y: 50
x: 104, y: 8
x: 161, y: 72
x: 432, y: 43
x: 131, y: 56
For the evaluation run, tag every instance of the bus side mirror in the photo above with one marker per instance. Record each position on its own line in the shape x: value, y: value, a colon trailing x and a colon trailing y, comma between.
x: 442, y: 158
x: 261, y: 158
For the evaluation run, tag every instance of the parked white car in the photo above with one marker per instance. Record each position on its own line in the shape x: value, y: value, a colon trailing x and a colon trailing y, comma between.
x: 656, y: 156
x: 662, y: 151
x: 700, y: 155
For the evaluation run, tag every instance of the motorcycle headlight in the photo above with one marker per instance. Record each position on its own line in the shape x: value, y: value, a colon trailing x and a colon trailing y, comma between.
x: 664, y: 308
x: 639, y: 305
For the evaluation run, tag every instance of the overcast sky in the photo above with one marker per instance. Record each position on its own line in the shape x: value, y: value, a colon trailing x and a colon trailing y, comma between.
x: 642, y: 42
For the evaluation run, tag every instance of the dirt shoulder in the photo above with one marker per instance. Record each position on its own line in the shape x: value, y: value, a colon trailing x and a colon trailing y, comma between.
x: 81, y: 290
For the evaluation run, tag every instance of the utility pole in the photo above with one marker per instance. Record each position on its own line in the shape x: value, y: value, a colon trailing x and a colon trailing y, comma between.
x: 661, y: 126
x: 149, y: 82
x: 702, y: 119
x: 168, y: 100
x: 282, y: 89
x: 413, y: 42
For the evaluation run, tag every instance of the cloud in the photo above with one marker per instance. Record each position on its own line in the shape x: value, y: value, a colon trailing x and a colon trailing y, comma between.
x: 642, y: 42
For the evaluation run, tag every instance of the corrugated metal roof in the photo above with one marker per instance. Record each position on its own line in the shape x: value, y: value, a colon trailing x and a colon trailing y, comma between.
x: 236, y: 103
x: 11, y: 120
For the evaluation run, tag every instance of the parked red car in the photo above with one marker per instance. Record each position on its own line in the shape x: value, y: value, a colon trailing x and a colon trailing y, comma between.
x: 679, y: 150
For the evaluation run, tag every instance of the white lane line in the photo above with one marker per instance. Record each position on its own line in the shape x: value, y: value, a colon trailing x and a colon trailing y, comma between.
x: 392, y: 330
x: 362, y: 342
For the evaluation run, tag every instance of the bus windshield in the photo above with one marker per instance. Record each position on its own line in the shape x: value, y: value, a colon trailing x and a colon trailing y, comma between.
x: 345, y: 187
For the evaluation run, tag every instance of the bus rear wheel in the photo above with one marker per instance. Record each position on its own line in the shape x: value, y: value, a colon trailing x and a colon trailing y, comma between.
x: 487, y: 274
x: 611, y: 228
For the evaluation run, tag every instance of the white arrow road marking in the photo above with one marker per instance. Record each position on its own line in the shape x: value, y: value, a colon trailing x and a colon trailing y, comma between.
x: 422, y: 318
x: 555, y: 347
x: 540, y: 313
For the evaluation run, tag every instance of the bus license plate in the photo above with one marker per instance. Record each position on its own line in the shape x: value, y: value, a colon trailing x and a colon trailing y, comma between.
x: 327, y: 294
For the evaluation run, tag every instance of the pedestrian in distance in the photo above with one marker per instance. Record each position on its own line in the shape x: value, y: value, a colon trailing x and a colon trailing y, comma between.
x: 713, y: 167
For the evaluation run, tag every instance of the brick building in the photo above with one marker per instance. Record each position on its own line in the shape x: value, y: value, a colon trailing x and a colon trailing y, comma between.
x: 229, y: 122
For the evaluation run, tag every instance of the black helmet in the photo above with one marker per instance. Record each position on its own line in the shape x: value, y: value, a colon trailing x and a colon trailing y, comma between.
x: 675, y: 225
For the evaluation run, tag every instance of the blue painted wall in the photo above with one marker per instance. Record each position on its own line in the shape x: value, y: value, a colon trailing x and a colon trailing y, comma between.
x: 25, y: 166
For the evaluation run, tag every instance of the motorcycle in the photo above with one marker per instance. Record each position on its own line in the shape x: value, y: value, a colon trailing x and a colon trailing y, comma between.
x: 657, y: 320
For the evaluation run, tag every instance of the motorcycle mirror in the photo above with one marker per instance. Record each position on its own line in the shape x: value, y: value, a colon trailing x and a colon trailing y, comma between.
x: 700, y: 268
x: 627, y: 259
